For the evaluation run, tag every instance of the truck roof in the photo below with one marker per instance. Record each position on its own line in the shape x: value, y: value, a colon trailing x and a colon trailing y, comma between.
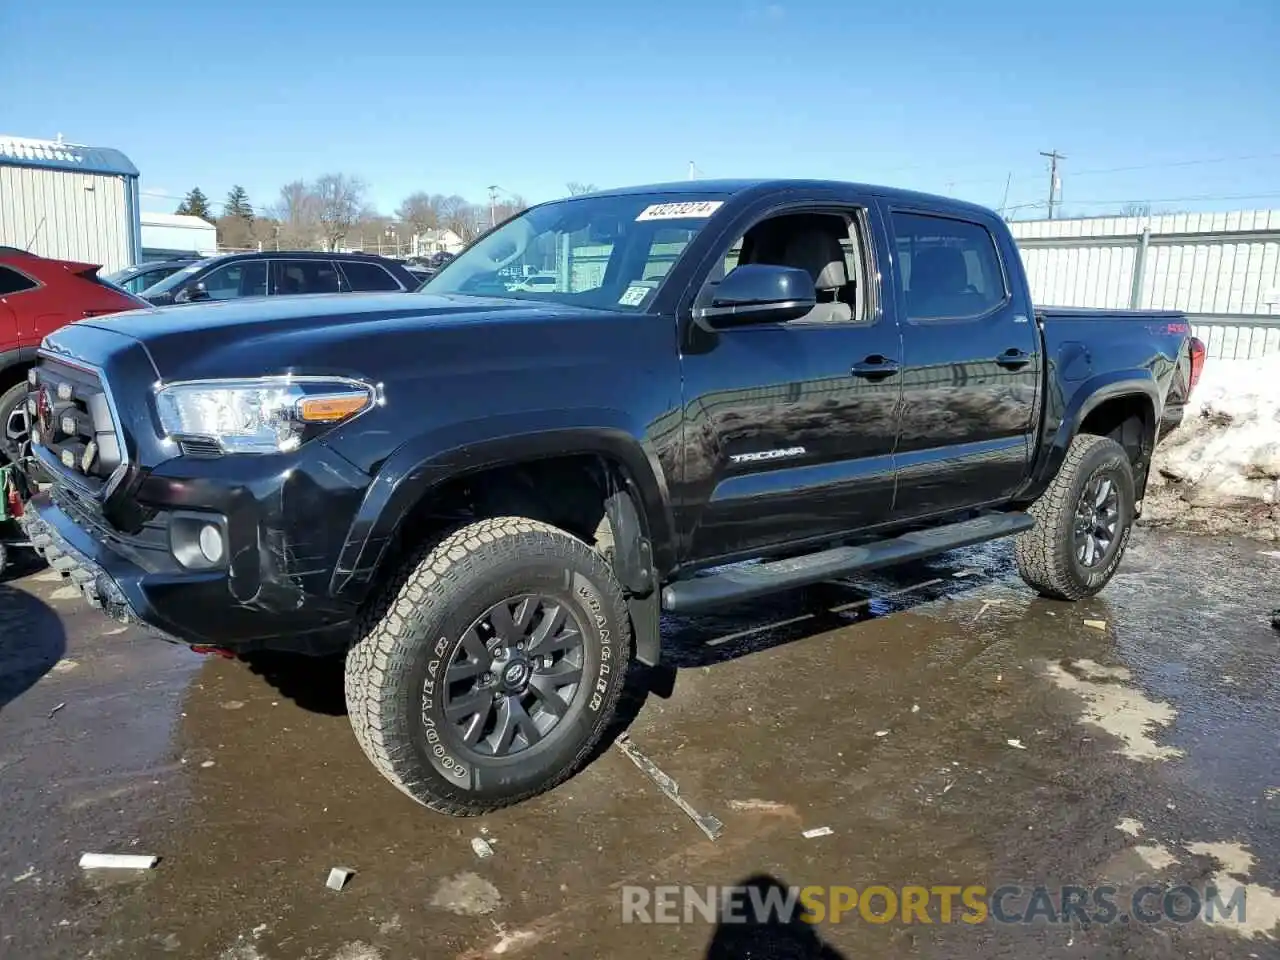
x: 766, y: 185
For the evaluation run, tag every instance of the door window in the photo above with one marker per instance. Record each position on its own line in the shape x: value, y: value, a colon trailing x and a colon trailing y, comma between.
x: 826, y: 245
x: 292, y: 277
x: 368, y: 277
x: 947, y: 269
x: 11, y: 281
x: 245, y: 279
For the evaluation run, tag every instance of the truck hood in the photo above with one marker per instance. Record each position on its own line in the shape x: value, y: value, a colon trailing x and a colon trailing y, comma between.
x: 327, y: 333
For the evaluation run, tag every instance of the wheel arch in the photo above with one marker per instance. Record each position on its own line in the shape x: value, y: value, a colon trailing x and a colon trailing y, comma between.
x: 14, y: 365
x: 410, y: 480
x: 1102, y: 405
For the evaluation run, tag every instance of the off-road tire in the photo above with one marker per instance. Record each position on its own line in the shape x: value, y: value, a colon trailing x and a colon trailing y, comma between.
x: 417, y: 624
x: 10, y: 401
x: 1046, y: 553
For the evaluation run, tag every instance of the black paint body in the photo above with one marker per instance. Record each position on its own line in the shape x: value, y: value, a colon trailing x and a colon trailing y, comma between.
x: 474, y: 383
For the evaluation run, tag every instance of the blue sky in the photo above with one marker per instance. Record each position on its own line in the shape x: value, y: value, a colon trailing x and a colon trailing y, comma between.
x: 451, y: 97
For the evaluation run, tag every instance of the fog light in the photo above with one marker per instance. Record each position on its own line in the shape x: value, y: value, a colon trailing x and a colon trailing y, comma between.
x: 64, y: 391
x: 32, y: 377
x: 69, y: 425
x: 211, y: 543
x: 68, y: 459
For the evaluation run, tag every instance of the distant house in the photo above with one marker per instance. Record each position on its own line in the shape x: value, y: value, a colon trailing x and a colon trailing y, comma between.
x: 166, y: 235
x: 436, y: 241
x: 69, y: 201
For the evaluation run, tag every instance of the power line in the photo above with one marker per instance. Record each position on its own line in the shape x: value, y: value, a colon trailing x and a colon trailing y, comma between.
x: 1054, y: 156
x: 1164, y: 164
x: 1190, y: 199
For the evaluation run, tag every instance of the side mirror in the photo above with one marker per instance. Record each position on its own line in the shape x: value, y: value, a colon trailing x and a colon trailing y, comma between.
x: 189, y: 294
x: 758, y: 293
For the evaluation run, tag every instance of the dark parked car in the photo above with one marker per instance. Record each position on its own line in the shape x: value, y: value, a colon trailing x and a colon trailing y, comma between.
x: 279, y: 273
x: 37, y: 296
x: 137, y: 278
x: 487, y: 494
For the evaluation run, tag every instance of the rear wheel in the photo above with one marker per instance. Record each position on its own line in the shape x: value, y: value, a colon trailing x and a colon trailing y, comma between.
x: 1082, y: 522
x: 491, y: 668
x: 15, y: 429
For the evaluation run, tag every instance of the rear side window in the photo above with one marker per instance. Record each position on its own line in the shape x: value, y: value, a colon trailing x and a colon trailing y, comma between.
x: 947, y: 269
x: 11, y: 281
x: 293, y: 277
x: 368, y: 277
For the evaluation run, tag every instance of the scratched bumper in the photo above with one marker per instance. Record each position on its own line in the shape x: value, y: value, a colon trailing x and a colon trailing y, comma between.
x: 136, y: 582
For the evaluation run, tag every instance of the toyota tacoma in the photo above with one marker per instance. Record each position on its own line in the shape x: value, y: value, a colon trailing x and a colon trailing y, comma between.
x: 484, y: 494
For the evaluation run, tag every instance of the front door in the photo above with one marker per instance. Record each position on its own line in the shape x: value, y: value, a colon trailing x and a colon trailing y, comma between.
x: 971, y: 367
x: 790, y: 428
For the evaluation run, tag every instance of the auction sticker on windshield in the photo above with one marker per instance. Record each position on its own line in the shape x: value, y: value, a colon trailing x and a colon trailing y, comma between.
x: 680, y: 211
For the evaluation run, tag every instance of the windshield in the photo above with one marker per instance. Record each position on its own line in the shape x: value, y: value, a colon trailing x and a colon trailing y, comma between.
x: 606, y: 252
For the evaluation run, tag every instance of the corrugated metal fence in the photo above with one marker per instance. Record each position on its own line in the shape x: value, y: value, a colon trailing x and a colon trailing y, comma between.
x: 1222, y: 269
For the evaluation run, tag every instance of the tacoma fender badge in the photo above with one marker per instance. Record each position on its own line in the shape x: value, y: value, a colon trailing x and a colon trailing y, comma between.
x: 768, y: 455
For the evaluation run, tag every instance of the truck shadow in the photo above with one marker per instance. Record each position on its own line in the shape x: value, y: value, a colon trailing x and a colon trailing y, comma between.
x: 316, y: 683
x: 692, y: 642
x: 32, y: 640
x: 747, y: 931
x: 313, y: 683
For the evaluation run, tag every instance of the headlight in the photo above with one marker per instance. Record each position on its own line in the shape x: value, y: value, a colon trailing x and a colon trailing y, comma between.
x: 269, y: 415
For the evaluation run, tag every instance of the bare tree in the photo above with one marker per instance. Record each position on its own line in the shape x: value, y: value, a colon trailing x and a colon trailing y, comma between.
x: 577, y: 188
x: 456, y: 214
x: 419, y: 211
x: 340, y: 200
x: 297, y: 217
x: 509, y: 207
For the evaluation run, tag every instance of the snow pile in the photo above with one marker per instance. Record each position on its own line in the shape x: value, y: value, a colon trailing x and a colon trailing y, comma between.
x: 1221, y: 468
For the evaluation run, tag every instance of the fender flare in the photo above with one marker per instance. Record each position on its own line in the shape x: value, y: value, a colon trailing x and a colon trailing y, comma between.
x: 18, y: 356
x: 1090, y: 395
x: 422, y: 465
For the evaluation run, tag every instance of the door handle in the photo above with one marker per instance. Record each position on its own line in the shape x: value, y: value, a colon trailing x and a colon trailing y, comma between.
x: 875, y: 367
x: 1013, y: 359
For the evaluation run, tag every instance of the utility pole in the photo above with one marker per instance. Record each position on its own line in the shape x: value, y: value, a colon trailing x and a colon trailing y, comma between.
x: 493, y: 205
x: 1054, y: 185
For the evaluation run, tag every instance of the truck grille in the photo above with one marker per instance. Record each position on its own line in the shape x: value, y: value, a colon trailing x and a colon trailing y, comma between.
x: 71, y: 418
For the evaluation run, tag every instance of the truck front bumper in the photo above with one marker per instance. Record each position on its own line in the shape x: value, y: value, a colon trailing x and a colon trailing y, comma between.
x: 262, y: 599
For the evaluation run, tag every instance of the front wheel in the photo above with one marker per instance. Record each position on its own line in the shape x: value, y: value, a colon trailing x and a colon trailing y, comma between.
x: 1082, y: 522
x: 15, y: 428
x: 491, y: 667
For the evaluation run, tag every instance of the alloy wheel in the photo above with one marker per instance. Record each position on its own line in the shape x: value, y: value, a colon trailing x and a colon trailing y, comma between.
x: 1097, y: 520
x: 515, y: 676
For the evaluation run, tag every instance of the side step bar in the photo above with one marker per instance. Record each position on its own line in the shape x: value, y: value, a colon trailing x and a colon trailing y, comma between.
x: 761, y: 579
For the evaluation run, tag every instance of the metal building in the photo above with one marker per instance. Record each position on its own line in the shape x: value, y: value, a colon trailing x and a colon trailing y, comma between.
x: 165, y: 235
x: 1223, y: 269
x: 69, y: 201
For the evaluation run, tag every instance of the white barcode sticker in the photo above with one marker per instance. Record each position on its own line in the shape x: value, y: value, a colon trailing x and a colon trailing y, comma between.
x: 634, y: 295
x: 700, y: 209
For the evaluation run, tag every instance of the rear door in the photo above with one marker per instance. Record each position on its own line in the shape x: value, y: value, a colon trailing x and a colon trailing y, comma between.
x: 301, y: 277
x: 364, y: 276
x: 971, y: 367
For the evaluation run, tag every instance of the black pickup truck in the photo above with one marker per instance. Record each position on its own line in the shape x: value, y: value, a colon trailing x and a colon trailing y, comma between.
x: 486, y: 493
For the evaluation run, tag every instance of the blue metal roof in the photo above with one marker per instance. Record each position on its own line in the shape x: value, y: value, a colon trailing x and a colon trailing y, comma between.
x: 51, y: 155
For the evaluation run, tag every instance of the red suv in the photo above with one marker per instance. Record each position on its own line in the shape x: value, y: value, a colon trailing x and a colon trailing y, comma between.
x: 37, y: 296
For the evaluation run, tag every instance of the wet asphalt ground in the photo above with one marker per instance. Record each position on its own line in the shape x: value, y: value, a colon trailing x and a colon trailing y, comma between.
x: 945, y: 725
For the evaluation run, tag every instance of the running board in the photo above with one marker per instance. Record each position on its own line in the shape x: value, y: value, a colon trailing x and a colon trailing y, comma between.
x: 761, y: 579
